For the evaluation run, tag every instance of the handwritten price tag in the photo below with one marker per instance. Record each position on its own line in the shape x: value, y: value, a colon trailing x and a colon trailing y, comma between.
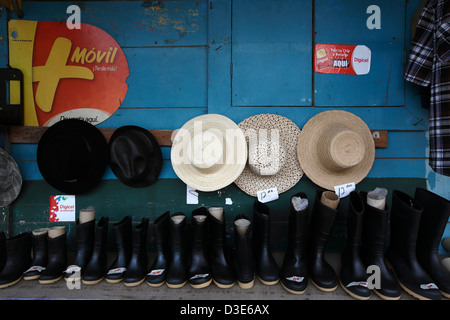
x: 267, y: 195
x: 344, y: 189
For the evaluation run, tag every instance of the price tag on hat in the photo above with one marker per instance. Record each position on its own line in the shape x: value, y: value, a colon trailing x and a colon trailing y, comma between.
x: 344, y: 190
x: 267, y: 195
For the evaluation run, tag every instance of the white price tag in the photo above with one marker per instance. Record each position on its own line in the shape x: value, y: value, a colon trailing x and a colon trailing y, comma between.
x: 267, y: 195
x: 344, y: 189
x: 191, y: 195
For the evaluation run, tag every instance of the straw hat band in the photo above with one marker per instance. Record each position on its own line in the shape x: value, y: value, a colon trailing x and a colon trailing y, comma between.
x: 341, y: 148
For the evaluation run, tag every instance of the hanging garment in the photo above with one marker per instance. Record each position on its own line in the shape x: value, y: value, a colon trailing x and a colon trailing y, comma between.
x: 429, y: 66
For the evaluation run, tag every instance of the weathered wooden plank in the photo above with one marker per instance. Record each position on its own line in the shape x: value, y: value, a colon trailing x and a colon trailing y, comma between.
x: 271, y: 56
x: 342, y: 22
x: 21, y: 134
x: 134, y: 23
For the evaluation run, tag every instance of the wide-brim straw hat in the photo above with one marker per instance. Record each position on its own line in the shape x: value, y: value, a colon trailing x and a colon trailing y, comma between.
x: 209, y: 152
x: 10, y: 179
x: 336, y: 147
x: 280, y: 163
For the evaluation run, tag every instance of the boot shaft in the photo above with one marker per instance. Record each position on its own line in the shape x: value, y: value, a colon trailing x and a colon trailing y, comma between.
x: 139, y: 237
x: 354, y: 221
x: 375, y: 228
x: 18, y: 250
x: 199, y: 225
x: 322, y: 223
x: 298, y: 222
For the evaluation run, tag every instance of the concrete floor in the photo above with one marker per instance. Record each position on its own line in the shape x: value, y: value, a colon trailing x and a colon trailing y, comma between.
x: 106, y: 291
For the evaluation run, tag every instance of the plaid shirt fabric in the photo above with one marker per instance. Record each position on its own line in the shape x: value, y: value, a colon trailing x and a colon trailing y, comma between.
x: 429, y: 65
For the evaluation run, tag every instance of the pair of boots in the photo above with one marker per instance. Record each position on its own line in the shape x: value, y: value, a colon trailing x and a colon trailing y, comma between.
x: 252, y: 253
x: 49, y: 255
x: 207, y: 263
x: 90, y: 261
x: 130, y: 264
x: 417, y: 226
x: 15, y: 258
x: 304, y: 257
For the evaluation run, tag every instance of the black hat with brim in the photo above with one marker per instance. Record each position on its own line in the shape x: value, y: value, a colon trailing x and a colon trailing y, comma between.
x: 72, y: 156
x: 135, y: 156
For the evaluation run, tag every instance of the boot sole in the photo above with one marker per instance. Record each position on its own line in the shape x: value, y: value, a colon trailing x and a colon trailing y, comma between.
x: 31, y: 277
x: 445, y: 294
x: 175, y: 286
x: 353, y: 294
x: 134, y: 284
x: 293, y: 291
x: 246, y: 285
x: 269, y: 283
x: 92, y: 281
x: 11, y: 283
x: 155, y: 285
x: 223, y: 286
x: 324, y: 289
x: 202, y: 285
x: 50, y: 280
x: 113, y: 280
x: 382, y: 296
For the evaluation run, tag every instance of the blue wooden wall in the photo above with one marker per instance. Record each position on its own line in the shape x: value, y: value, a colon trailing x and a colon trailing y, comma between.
x: 244, y: 57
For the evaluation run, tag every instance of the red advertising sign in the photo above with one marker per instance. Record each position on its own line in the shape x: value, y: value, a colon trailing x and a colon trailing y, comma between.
x: 342, y: 59
x: 68, y: 73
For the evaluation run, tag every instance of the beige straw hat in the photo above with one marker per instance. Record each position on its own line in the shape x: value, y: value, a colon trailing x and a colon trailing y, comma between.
x: 334, y: 148
x: 272, y: 148
x: 209, y: 152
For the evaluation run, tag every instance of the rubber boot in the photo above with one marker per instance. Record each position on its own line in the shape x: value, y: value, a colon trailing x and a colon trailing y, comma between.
x: 40, y: 257
x: 243, y: 252
x: 96, y: 268
x: 265, y: 265
x: 177, y: 274
x: 353, y: 272
x: 84, y: 246
x: 123, y: 240
x: 57, y: 255
x: 436, y: 211
x: 18, y: 259
x: 221, y: 270
x: 294, y: 272
x: 137, y: 267
x: 2, y: 250
x: 199, y: 272
x: 320, y: 271
x: 401, y: 254
x: 157, y: 275
x: 375, y: 229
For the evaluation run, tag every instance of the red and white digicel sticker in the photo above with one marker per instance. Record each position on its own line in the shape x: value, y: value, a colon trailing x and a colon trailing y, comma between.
x: 342, y: 59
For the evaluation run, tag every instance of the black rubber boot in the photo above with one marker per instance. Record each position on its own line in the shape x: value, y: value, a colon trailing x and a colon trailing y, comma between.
x: 40, y: 257
x: 221, y: 270
x: 436, y: 211
x: 2, y: 250
x: 123, y: 240
x: 375, y: 228
x: 265, y: 265
x: 84, y: 246
x: 57, y: 259
x: 320, y: 271
x: 294, y: 272
x: 353, y: 272
x: 401, y: 254
x: 177, y: 274
x: 137, y: 268
x: 157, y: 275
x: 199, y: 273
x: 243, y: 252
x: 96, y: 268
x: 18, y: 259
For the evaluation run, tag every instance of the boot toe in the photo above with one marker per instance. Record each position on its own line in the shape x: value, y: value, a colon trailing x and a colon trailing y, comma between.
x: 294, y: 285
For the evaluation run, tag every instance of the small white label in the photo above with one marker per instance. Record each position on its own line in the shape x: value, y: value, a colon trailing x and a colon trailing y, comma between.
x: 199, y: 276
x: 191, y: 195
x: 35, y: 268
x: 73, y: 268
x: 117, y: 270
x: 428, y: 286
x: 156, y: 272
x: 295, y: 278
x: 344, y: 189
x: 267, y: 195
x: 357, y: 283
x: 228, y: 201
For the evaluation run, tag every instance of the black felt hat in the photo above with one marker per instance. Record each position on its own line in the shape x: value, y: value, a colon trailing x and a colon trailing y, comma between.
x: 72, y: 156
x: 135, y: 156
